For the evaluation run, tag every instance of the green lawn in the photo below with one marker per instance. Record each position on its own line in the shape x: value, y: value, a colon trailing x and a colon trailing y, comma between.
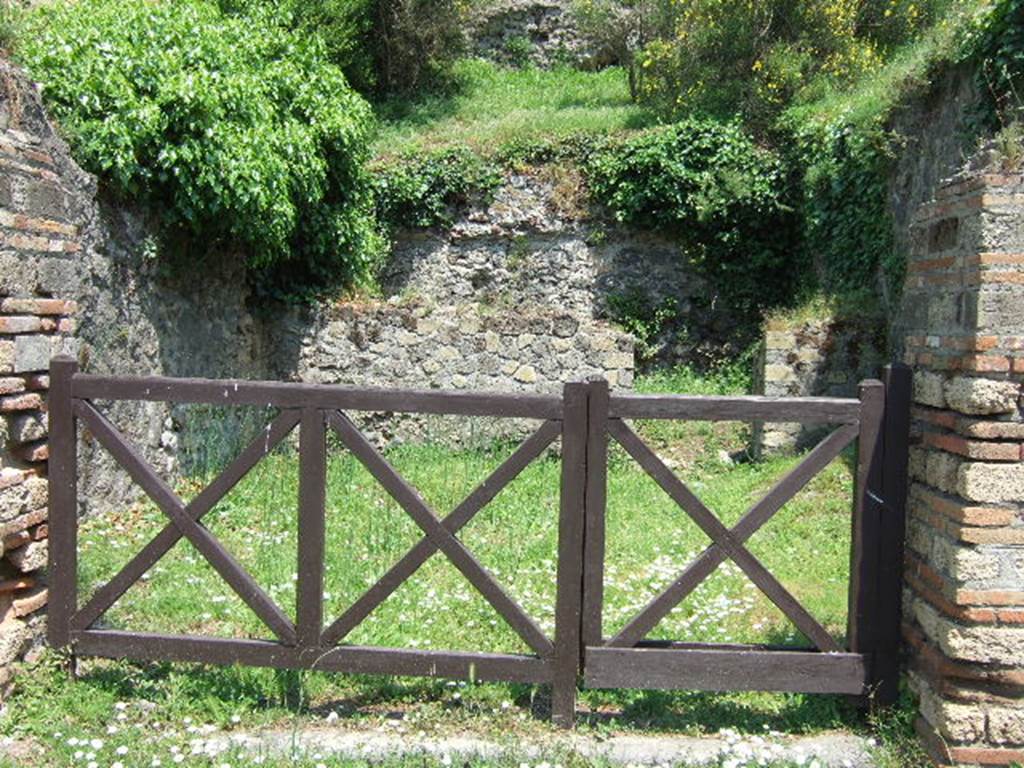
x: 649, y: 541
x: 491, y: 105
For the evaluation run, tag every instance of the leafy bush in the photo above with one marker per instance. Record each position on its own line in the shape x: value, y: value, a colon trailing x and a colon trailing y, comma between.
x: 424, y: 190
x: 234, y: 131
x: 344, y: 26
x: 383, y: 46
x: 728, y: 57
x: 1000, y: 47
x: 726, y: 200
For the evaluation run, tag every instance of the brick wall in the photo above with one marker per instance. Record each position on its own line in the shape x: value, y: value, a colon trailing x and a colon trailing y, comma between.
x: 33, y: 327
x: 964, y: 602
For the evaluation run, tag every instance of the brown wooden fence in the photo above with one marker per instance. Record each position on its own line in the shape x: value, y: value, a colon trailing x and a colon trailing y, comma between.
x: 585, y: 416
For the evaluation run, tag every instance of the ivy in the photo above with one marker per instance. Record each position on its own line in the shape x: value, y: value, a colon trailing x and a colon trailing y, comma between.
x: 727, y: 201
x: 240, y: 135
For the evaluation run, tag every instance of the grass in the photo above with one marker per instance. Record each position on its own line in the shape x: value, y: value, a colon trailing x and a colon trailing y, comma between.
x: 649, y: 541
x: 493, y: 105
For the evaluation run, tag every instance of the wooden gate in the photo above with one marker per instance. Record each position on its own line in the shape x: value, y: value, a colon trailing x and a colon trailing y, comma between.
x: 584, y: 416
x: 868, y: 663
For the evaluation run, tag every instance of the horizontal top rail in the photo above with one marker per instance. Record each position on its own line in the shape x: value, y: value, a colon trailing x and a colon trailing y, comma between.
x: 299, y: 395
x: 825, y: 410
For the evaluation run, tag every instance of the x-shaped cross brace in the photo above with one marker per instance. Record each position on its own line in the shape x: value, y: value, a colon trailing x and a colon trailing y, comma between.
x: 727, y: 543
x: 185, y: 521
x: 440, y: 534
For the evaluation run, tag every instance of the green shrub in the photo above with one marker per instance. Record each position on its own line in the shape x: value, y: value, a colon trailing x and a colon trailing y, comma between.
x: 1000, y: 47
x: 728, y: 57
x: 344, y: 26
x: 725, y: 199
x: 383, y: 46
x: 424, y: 190
x: 235, y: 132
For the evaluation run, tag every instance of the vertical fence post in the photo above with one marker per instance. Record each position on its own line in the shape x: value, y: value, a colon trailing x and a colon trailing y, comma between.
x: 569, y: 599
x: 862, y: 624
x: 885, y: 672
x: 592, y: 630
x: 63, y: 503
x: 312, y: 496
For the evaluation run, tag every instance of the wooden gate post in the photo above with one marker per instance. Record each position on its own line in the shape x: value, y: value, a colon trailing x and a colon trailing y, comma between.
x: 569, y: 597
x: 885, y: 670
x: 63, y: 494
x: 879, y: 528
x: 596, y: 499
x: 862, y: 621
x: 312, y: 496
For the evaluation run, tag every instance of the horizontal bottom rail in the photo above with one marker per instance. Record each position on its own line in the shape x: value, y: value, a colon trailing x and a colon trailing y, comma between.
x: 726, y: 670
x: 457, y: 665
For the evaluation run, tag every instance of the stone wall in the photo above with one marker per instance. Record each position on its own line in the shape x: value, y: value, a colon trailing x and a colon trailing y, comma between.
x: 964, y: 602
x: 518, y: 32
x: 828, y: 357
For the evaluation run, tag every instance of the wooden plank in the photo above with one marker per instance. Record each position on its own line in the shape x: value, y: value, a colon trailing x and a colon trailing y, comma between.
x: 596, y: 502
x: 569, y: 579
x: 888, y: 610
x: 293, y: 395
x: 409, y: 499
x: 481, y: 496
x: 748, y: 525
x: 713, y: 527
x: 867, y: 511
x: 727, y: 670
x: 269, y: 438
x: 63, y: 501
x: 167, y: 500
x: 309, y: 590
x: 351, y: 659
x: 824, y: 410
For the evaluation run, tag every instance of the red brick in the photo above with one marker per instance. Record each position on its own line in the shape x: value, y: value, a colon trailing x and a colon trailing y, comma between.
x: 986, y: 364
x: 989, y: 597
x: 978, y: 755
x: 1018, y: 365
x: 14, y: 585
x: 19, y: 324
x: 30, y: 603
x: 66, y: 325
x: 1000, y: 535
x: 47, y: 324
x: 965, y: 513
x: 34, y: 306
x: 24, y: 522
x: 973, y: 449
x: 24, y: 402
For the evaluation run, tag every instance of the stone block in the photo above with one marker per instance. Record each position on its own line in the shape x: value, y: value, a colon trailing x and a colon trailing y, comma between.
x: 959, y: 722
x: 27, y: 427
x: 22, y: 498
x: 977, y: 397
x: 1006, y: 725
x: 941, y: 471
x: 979, y: 481
x: 928, y: 389
x: 32, y: 353
x: 14, y: 636
x: 29, y: 558
x: 6, y: 356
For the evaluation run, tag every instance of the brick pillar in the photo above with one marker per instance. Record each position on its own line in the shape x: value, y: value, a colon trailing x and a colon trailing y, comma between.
x: 964, y: 604
x: 34, y: 227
